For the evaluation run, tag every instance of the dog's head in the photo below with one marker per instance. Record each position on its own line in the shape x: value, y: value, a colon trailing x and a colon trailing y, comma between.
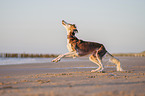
x: 69, y: 27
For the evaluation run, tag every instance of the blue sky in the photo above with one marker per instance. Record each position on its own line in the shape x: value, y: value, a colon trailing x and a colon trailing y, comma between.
x: 34, y: 26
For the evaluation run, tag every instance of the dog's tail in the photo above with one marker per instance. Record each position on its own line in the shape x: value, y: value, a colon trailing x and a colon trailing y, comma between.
x: 115, y: 61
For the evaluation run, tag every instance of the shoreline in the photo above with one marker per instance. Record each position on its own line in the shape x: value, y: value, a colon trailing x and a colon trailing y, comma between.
x: 22, y: 61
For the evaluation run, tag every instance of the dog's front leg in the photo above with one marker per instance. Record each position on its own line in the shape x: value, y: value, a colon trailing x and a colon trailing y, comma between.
x: 58, y: 58
x: 69, y: 54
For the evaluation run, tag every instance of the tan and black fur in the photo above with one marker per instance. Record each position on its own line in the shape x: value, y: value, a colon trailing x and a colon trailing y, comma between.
x: 79, y: 48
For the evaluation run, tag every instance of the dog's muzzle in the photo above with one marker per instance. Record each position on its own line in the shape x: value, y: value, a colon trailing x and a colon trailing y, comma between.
x: 63, y: 22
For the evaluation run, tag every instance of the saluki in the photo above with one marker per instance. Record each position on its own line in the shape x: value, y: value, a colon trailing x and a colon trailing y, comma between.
x: 79, y: 48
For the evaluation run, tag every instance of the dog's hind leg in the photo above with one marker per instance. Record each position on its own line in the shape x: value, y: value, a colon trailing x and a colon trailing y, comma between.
x: 97, y: 61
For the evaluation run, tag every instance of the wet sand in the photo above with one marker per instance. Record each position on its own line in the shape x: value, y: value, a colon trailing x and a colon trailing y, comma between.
x: 73, y: 78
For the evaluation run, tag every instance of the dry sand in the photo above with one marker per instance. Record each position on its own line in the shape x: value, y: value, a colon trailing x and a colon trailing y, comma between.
x: 48, y: 80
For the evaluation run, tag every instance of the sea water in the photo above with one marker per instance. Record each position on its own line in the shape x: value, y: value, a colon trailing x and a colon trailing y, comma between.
x: 11, y: 61
x: 14, y: 61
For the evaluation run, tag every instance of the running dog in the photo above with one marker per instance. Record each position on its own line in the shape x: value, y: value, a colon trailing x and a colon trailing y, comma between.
x: 79, y: 48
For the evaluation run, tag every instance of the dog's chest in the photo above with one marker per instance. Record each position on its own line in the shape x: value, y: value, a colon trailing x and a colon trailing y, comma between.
x: 69, y: 46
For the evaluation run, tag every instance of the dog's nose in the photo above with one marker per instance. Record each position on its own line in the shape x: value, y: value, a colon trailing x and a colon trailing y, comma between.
x: 64, y: 23
x: 62, y: 20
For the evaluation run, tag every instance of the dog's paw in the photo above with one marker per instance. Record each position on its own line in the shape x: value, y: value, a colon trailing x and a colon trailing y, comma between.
x: 56, y: 60
x: 99, y: 71
x: 93, y: 71
x: 120, y: 69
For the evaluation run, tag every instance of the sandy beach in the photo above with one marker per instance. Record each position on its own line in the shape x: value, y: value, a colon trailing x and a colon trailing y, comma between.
x: 73, y: 78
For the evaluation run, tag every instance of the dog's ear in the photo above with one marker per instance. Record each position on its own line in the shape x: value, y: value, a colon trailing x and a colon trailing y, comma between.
x: 75, y: 31
x: 74, y: 25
